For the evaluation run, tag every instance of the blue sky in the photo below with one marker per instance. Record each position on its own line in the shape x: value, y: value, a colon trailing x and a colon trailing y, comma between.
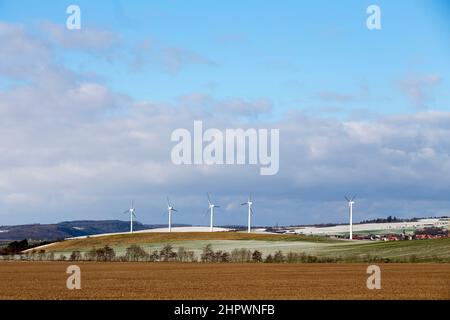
x: 149, y: 67
x: 284, y: 51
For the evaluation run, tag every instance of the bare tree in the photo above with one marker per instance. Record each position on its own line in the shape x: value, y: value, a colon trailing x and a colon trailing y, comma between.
x: 269, y: 259
x: 256, y: 256
x: 135, y: 253
x: 108, y: 253
x: 278, y: 257
x: 223, y: 256
x: 181, y: 254
x: 167, y: 254
x: 241, y: 255
x: 191, y: 256
x: 62, y: 257
x: 207, y: 254
x: 75, y: 256
x: 154, y: 256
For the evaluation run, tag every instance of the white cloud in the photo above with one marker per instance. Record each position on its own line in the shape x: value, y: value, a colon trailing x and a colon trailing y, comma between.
x: 171, y: 59
x: 175, y: 59
x: 417, y: 88
x: 86, y: 39
x: 245, y: 107
x: 87, y: 150
x: 21, y: 199
x: 335, y: 96
x: 339, y: 97
x: 21, y: 55
x: 232, y: 106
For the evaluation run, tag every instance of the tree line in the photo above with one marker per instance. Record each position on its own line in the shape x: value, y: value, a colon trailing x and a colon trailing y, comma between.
x: 16, y: 247
x: 167, y: 253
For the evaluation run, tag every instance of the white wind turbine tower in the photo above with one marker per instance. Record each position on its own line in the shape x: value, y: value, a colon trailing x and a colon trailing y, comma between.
x: 350, y: 213
x: 170, y: 208
x: 249, y: 203
x: 131, y: 212
x: 211, y: 207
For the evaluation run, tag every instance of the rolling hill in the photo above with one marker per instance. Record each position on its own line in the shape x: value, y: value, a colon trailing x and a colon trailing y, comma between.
x: 67, y: 229
x: 418, y: 250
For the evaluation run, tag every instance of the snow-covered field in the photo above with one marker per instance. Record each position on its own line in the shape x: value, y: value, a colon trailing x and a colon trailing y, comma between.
x: 334, y: 230
x: 373, y: 226
x: 185, y: 229
x: 174, y: 229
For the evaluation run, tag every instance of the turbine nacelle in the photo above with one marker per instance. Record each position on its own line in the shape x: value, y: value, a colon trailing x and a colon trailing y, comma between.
x: 170, y: 208
x: 249, y: 201
x: 131, y: 210
x: 210, y: 204
x: 350, y: 200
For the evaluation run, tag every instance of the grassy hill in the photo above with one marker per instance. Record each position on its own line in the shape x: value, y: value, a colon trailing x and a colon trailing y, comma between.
x: 437, y: 250
x: 174, y: 237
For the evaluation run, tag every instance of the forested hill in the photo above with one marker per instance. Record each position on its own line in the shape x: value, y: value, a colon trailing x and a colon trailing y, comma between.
x: 66, y: 229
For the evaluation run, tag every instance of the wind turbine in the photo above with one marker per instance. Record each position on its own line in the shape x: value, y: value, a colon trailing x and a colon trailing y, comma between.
x: 170, y: 208
x: 211, y: 207
x: 131, y: 212
x: 350, y: 213
x: 249, y: 203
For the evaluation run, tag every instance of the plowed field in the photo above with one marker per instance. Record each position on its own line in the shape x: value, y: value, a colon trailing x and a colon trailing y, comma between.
x: 47, y: 280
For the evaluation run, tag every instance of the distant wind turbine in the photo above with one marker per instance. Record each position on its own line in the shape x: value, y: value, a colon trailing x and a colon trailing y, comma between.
x: 211, y: 207
x: 131, y: 212
x: 249, y: 203
x: 170, y: 208
x: 350, y: 213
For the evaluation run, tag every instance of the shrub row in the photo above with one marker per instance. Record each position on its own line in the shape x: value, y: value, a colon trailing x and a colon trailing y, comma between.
x: 208, y: 255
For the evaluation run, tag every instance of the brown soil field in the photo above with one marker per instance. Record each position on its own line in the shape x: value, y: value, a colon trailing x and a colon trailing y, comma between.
x: 47, y: 280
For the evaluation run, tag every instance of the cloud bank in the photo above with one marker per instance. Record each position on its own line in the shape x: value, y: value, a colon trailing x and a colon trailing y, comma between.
x: 76, y: 149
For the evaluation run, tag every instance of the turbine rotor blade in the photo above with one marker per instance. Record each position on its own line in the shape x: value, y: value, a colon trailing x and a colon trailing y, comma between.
x: 346, y: 198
